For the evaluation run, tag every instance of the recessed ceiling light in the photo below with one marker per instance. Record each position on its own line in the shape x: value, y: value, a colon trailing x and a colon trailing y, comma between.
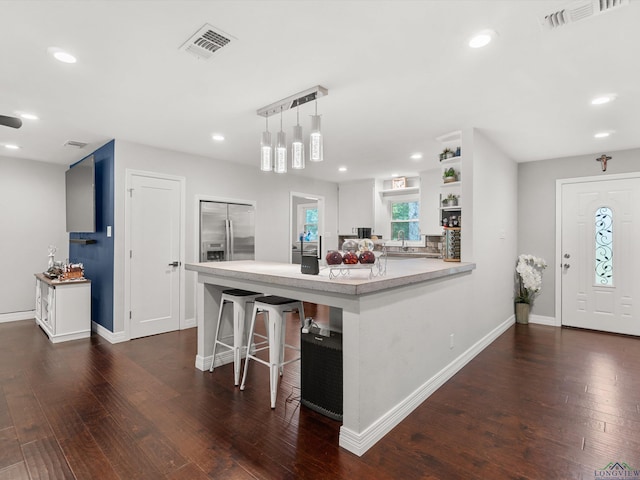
x: 602, y: 135
x: 482, y: 38
x: 61, y: 55
x: 342, y: 169
x: 395, y: 175
x: 218, y: 137
x: 11, y: 146
x: 29, y: 116
x: 416, y: 156
x: 602, y: 99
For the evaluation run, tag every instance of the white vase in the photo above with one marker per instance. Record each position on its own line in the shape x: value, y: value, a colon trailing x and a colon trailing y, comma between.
x: 522, y: 312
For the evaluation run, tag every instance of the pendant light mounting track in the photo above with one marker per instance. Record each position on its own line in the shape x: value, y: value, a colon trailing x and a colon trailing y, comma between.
x: 293, y: 101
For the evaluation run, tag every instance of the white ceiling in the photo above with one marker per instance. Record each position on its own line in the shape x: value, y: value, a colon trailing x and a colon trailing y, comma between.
x: 399, y: 74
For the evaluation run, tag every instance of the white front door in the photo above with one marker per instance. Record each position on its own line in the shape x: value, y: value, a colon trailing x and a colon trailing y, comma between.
x: 600, y: 259
x: 155, y: 263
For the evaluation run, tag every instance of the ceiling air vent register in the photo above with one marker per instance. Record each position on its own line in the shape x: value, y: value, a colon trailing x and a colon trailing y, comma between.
x: 579, y: 11
x: 206, y: 41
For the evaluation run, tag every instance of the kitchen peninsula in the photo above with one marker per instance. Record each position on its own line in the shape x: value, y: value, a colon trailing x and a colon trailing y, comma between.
x: 398, y: 345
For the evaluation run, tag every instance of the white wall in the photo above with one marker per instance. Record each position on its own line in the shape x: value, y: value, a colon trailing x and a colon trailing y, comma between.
x: 537, y: 208
x: 489, y: 239
x: 430, y: 181
x: 471, y: 307
x: 32, y: 209
x: 205, y: 176
x: 494, y: 233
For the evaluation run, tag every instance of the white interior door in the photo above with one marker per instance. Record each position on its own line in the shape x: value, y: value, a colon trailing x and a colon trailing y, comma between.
x: 600, y: 266
x: 155, y: 262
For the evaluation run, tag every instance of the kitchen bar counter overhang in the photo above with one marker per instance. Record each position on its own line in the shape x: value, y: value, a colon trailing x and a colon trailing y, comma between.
x: 357, y: 282
x: 396, y: 330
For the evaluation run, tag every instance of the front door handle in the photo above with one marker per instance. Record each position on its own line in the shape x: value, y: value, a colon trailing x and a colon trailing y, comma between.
x: 174, y: 264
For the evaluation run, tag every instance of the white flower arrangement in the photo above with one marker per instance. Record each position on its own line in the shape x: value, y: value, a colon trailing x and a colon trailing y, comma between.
x: 529, y: 273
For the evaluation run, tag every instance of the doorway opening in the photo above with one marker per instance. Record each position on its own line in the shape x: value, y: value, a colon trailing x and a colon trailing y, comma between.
x: 306, y: 225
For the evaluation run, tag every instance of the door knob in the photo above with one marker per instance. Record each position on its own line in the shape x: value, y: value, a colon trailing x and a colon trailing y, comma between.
x: 174, y: 264
x: 566, y: 265
x: 566, y: 255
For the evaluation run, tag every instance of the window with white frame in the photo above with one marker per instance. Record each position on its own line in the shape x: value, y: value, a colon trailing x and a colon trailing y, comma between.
x: 405, y: 217
x: 308, y: 222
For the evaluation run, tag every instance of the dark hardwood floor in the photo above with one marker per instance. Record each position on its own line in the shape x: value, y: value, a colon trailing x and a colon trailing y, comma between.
x: 539, y: 403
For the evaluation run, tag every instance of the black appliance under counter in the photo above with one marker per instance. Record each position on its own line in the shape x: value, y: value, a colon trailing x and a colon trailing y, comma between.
x: 321, y: 372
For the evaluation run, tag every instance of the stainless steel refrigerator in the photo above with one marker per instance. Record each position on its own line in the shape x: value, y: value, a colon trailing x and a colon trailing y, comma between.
x: 227, y: 231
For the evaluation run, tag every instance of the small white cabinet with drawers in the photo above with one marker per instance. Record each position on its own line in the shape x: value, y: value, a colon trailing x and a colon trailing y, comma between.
x: 63, y: 309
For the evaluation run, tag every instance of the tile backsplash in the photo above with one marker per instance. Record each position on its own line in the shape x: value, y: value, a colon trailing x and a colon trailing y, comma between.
x: 432, y: 246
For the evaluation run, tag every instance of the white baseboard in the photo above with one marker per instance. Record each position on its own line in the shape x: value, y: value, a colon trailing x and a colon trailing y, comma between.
x: 359, y: 443
x: 222, y: 358
x: 188, y: 323
x: 203, y: 363
x: 108, y: 335
x: 17, y: 316
x: 69, y: 336
x: 543, y: 320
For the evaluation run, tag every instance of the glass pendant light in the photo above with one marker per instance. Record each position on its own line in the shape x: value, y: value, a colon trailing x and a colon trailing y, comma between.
x: 297, y: 147
x: 266, y: 150
x: 281, y: 150
x: 315, y: 142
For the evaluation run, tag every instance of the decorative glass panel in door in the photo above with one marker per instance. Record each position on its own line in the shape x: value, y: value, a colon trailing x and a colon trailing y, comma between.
x: 604, y: 247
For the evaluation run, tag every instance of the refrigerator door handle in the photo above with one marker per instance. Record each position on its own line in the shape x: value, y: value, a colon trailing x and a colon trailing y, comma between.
x: 227, y: 253
x: 230, y: 236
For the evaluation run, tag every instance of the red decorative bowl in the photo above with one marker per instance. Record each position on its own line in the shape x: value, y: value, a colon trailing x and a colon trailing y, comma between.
x: 349, y: 258
x: 367, y: 257
x: 333, y: 258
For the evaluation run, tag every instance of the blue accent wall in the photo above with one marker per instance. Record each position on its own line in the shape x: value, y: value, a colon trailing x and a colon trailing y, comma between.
x: 97, y: 258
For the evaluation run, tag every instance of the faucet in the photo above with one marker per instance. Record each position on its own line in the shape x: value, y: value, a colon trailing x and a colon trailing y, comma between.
x: 401, y: 233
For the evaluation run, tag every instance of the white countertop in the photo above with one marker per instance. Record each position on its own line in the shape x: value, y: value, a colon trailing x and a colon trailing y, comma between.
x: 399, y: 272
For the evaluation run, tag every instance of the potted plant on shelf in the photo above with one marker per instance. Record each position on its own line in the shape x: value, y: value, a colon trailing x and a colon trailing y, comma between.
x: 528, y: 284
x: 447, y: 153
x: 449, y: 175
x: 450, y: 200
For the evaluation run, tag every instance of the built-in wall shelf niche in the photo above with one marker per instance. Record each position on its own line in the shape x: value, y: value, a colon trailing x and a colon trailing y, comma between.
x: 400, y: 191
x: 450, y: 215
x: 452, y: 160
x: 399, y: 186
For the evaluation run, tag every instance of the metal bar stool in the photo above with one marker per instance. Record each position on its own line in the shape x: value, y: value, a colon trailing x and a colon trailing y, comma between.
x: 238, y: 299
x: 275, y: 308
